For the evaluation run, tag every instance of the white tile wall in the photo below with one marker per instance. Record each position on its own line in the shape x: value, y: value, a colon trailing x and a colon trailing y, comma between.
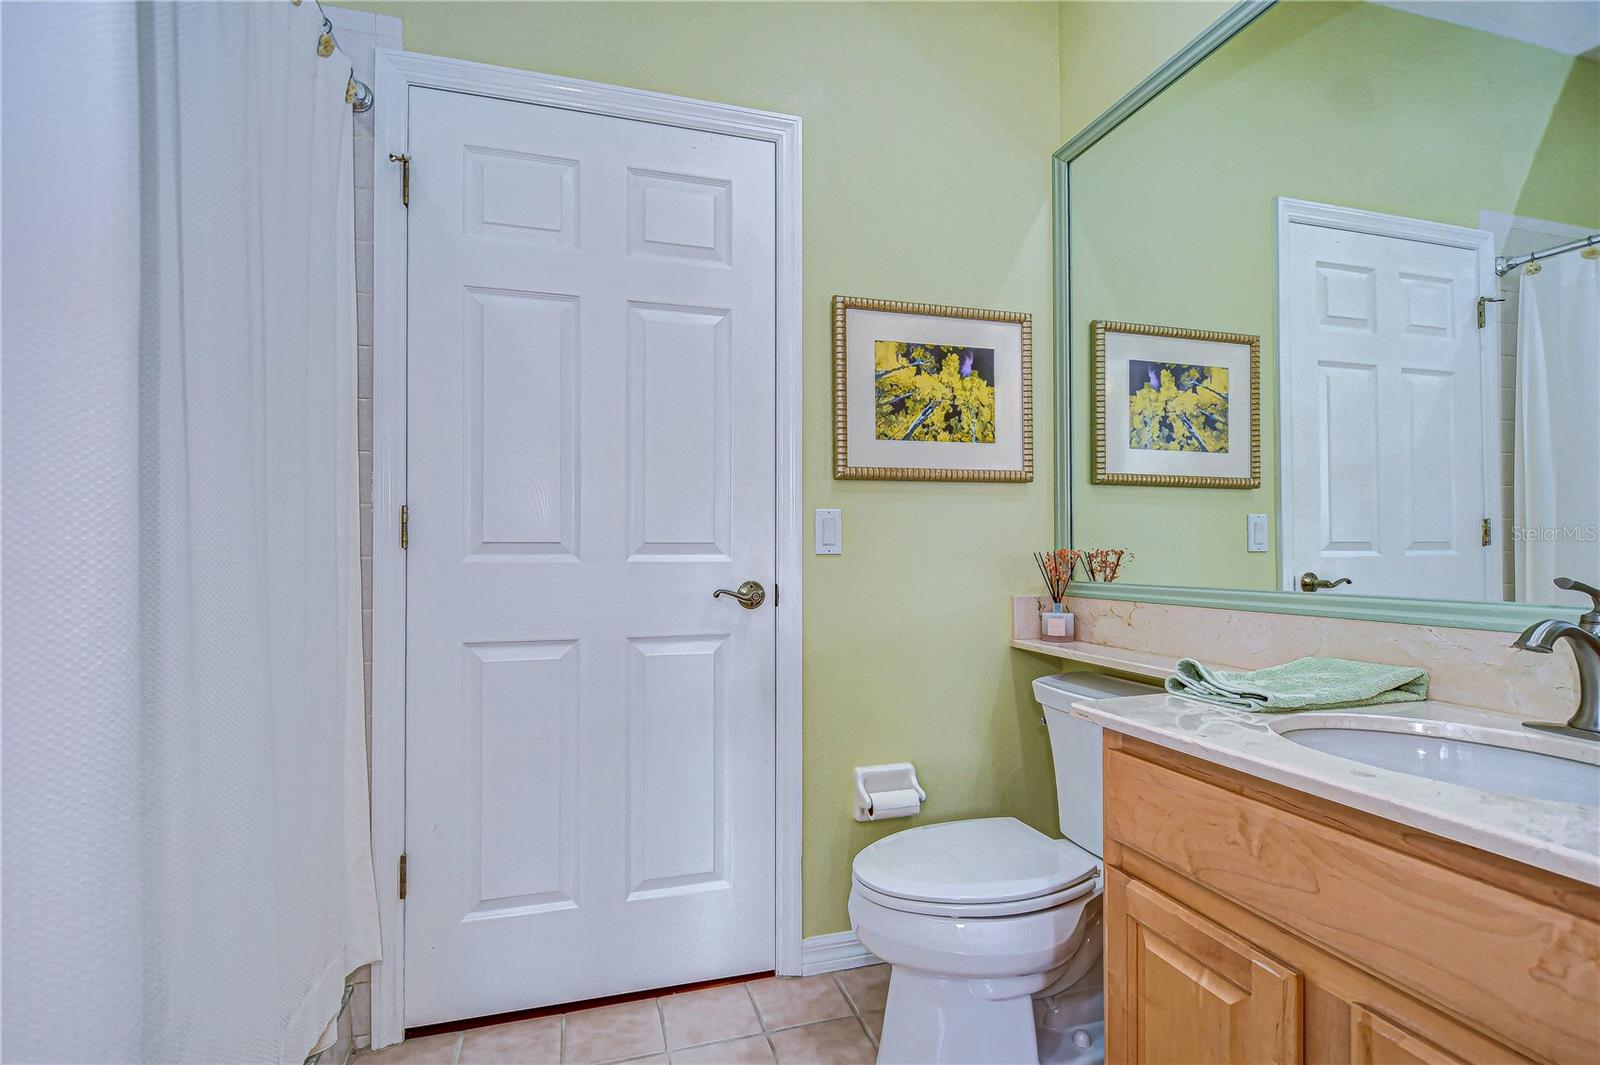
x: 360, y: 34
x: 1508, y: 421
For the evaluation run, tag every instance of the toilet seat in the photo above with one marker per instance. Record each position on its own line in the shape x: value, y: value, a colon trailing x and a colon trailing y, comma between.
x: 988, y: 867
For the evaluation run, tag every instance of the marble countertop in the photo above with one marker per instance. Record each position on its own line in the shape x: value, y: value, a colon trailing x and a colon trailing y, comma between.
x: 1559, y: 837
x: 1121, y: 659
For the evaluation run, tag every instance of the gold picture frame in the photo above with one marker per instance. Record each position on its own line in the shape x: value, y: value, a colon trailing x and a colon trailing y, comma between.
x: 1010, y: 364
x: 1111, y: 459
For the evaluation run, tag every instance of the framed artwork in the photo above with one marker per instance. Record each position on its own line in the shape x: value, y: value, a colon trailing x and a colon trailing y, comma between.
x: 1174, y: 407
x: 925, y: 392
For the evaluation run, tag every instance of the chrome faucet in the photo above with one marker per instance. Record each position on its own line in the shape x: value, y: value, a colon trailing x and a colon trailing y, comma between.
x: 1585, y: 637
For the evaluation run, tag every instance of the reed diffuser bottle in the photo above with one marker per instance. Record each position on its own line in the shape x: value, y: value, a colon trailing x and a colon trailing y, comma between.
x: 1056, y: 623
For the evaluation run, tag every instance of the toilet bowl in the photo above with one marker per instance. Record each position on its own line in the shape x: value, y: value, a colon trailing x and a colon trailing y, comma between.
x: 992, y: 929
x: 976, y: 919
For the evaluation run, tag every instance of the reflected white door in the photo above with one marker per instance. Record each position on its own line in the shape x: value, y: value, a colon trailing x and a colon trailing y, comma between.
x: 1387, y: 443
x: 589, y: 734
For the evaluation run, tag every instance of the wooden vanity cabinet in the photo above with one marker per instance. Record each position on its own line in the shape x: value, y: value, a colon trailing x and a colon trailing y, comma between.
x: 1194, y: 992
x: 1248, y: 922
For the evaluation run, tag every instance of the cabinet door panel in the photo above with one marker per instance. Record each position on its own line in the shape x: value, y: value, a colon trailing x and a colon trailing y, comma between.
x: 1376, y: 1040
x: 1182, y: 990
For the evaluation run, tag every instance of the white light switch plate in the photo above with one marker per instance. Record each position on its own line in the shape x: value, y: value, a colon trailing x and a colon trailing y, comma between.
x: 1255, y: 532
x: 830, y: 532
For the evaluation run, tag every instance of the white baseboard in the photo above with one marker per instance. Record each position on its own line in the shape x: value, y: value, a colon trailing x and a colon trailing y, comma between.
x: 832, y: 952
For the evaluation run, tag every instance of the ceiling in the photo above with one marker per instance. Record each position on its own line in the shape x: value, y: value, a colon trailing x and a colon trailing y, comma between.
x: 1570, y: 26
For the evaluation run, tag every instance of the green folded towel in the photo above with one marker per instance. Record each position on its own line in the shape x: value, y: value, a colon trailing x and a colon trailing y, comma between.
x: 1304, y: 684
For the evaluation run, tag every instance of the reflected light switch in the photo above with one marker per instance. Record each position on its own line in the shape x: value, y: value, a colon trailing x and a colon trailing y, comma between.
x: 830, y: 532
x: 1256, y: 532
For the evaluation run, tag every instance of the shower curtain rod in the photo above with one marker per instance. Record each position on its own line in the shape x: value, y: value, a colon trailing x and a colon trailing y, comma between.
x: 1503, y: 265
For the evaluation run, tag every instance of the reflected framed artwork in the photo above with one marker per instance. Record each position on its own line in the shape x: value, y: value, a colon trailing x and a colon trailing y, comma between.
x: 927, y: 392
x: 1175, y: 407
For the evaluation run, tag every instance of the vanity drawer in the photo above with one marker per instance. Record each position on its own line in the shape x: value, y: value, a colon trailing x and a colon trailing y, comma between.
x: 1515, y: 966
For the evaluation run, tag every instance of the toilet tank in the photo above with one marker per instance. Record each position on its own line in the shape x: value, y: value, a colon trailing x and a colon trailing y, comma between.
x: 1075, y: 747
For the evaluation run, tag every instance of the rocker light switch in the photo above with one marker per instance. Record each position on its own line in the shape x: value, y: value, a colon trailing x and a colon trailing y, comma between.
x: 830, y: 532
x: 1256, y: 532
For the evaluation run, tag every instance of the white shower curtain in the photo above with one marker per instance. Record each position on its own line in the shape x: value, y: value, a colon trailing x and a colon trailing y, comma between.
x: 187, y: 870
x: 1555, y: 479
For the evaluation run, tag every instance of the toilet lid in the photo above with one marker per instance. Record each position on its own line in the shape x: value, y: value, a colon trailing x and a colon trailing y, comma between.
x: 1082, y: 889
x: 992, y: 859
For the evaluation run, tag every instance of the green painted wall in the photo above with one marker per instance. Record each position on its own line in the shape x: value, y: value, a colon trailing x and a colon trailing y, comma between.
x: 1563, y: 180
x: 928, y: 134
x: 1109, y: 46
x: 1173, y: 216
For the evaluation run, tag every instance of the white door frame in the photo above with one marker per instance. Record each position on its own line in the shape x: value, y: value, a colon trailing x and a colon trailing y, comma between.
x: 397, y: 74
x: 1354, y: 220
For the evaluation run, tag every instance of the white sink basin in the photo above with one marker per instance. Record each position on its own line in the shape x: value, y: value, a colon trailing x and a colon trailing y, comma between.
x: 1505, y: 761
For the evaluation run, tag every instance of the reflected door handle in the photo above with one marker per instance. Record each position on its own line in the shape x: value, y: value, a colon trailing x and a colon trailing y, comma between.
x: 1310, y: 582
x: 750, y: 594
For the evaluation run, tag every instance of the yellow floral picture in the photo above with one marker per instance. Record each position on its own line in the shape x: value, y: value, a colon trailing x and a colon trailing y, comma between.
x: 933, y: 392
x: 1177, y: 407
x: 1172, y: 407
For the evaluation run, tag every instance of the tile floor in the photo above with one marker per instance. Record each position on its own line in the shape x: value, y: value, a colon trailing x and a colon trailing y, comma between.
x: 813, y: 1020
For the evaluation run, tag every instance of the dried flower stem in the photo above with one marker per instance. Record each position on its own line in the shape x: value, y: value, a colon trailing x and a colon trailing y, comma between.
x: 1056, y: 568
x: 1105, y: 563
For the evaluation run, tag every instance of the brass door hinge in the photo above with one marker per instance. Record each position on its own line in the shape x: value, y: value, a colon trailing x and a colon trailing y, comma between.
x: 405, y: 527
x: 401, y: 876
x: 405, y: 188
x: 1488, y: 537
x: 1483, y: 311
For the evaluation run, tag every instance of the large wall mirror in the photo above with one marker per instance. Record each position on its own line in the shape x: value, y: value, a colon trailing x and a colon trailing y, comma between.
x: 1346, y: 182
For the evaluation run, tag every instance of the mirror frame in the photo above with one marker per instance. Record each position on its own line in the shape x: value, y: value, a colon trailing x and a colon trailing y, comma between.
x: 1461, y: 614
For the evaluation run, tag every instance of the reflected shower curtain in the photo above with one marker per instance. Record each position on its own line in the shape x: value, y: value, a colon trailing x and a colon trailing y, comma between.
x: 187, y: 869
x: 1555, y: 478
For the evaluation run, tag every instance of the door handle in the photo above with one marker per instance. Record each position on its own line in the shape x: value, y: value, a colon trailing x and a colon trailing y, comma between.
x: 750, y: 594
x: 1310, y: 582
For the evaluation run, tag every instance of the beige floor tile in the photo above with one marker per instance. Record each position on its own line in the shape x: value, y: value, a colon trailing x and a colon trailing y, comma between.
x: 873, y: 1019
x: 751, y: 1050
x: 785, y: 1001
x: 536, y: 1042
x: 614, y: 1033
x: 839, y: 1042
x: 708, y: 1016
x: 868, y: 987
x: 428, y: 1050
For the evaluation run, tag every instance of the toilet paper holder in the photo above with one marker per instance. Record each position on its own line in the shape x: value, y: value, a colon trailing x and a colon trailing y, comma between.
x: 889, y: 790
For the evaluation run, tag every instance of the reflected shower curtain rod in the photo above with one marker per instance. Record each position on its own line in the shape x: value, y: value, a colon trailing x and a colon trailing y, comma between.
x: 1503, y: 265
x: 357, y: 93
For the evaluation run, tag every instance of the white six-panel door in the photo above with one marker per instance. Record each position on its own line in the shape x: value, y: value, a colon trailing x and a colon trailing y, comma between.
x: 1385, y: 447
x: 589, y: 734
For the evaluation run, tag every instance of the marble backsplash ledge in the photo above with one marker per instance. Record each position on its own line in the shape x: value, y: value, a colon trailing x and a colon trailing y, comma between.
x: 1468, y: 667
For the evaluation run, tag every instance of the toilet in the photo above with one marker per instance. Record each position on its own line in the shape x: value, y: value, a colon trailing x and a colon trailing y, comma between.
x: 992, y: 929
